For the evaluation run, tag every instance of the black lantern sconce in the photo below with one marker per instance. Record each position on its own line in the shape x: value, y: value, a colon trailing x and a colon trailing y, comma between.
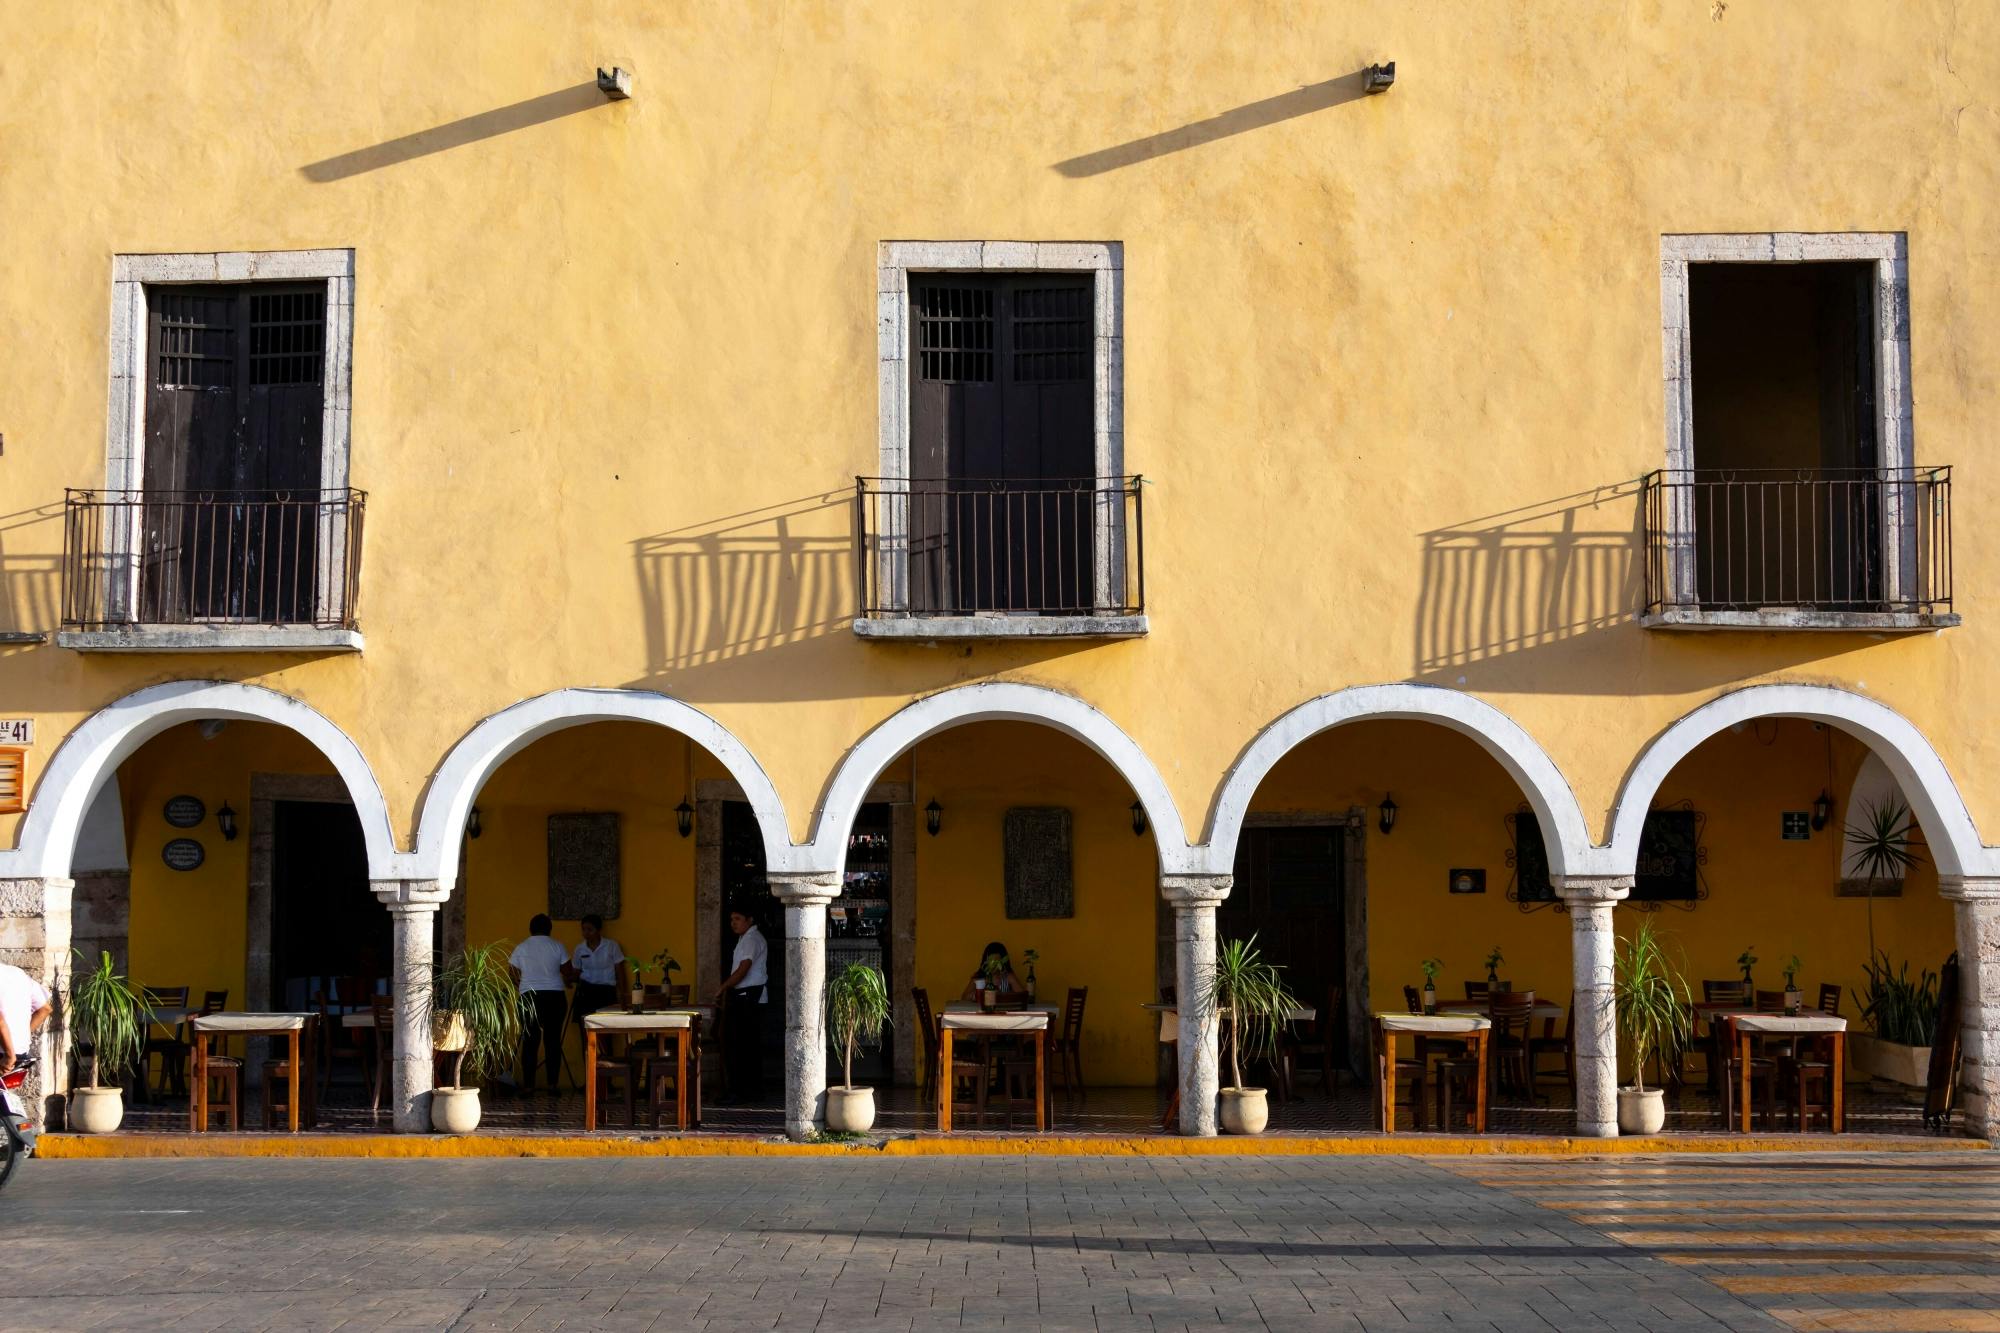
x: 225, y: 819
x: 1138, y: 819
x: 472, y: 826
x: 1386, y: 812
x: 933, y: 817
x: 684, y: 817
x: 1822, y: 810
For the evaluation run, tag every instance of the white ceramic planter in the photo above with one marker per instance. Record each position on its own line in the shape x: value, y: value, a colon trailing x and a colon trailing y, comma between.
x: 96, y: 1110
x: 850, y: 1110
x: 455, y: 1110
x: 1244, y: 1111
x: 1907, y: 1065
x: 1641, y: 1112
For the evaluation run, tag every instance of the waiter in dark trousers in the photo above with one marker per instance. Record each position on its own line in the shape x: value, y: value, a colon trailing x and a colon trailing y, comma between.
x: 598, y: 967
x: 741, y: 1000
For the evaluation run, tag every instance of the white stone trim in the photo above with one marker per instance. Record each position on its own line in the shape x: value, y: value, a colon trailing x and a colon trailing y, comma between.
x: 998, y: 701
x: 894, y: 262
x: 1547, y: 792
x: 211, y: 639
x: 89, y: 757
x: 1919, y: 772
x: 125, y: 407
x: 455, y: 786
x: 1889, y: 252
x: 923, y: 628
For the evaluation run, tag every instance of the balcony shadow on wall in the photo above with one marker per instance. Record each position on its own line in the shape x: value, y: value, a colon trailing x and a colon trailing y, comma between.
x: 457, y: 133
x: 1237, y: 120
x: 31, y: 580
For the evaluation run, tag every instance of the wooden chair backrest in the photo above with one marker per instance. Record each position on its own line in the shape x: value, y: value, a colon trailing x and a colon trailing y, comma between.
x: 1476, y: 990
x: 679, y: 995
x: 926, y: 1020
x: 214, y: 1001
x: 1072, y: 1028
x: 1770, y: 1002
x: 1414, y: 999
x: 1511, y: 1010
x: 385, y: 1013
x: 1829, y: 998
x: 166, y: 997
x: 1726, y: 992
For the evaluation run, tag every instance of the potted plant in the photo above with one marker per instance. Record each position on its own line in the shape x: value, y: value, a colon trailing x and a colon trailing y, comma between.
x: 1250, y: 994
x: 1902, y: 1015
x: 1794, y: 1001
x: 1493, y: 961
x: 1885, y: 850
x: 475, y: 999
x: 991, y: 969
x: 108, y: 1017
x: 1655, y: 1012
x: 857, y: 1008
x: 1747, y: 960
x: 1431, y: 967
x: 1030, y: 957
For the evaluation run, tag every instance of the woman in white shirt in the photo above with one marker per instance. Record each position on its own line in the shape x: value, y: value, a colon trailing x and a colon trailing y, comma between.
x: 537, y: 964
x: 598, y: 967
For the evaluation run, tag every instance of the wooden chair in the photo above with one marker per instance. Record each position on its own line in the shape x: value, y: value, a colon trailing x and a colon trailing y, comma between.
x: 1513, y: 1039
x: 172, y: 1049
x: 1411, y: 1071
x: 1067, y: 1048
x: 1476, y: 991
x: 1763, y: 1075
x: 225, y: 1088
x: 927, y: 1033
x: 625, y: 1067
x: 1321, y: 1039
x: 340, y: 1044
x: 1726, y: 992
x: 1770, y: 1002
x: 664, y: 1092
x: 277, y: 1092
x: 1563, y: 1046
x: 385, y: 1047
x: 678, y: 997
x: 1455, y: 1081
x: 1829, y: 998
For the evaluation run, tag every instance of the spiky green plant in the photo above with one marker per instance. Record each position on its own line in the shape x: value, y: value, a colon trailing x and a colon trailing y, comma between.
x: 1251, y: 994
x: 1885, y: 849
x: 1431, y: 967
x: 857, y: 1009
x: 1655, y: 1008
x: 1898, y: 1009
x: 475, y: 984
x: 109, y: 1015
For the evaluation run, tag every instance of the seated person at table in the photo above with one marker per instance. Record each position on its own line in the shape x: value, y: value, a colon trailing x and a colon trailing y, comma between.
x: 537, y: 964
x: 1003, y: 981
x: 598, y: 968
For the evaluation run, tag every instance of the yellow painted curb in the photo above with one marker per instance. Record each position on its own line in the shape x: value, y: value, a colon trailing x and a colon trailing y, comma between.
x: 75, y: 1147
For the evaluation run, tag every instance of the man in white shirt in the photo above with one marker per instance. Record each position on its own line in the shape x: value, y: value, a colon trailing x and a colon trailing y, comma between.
x: 24, y: 1008
x: 537, y: 964
x: 741, y: 998
x: 598, y: 965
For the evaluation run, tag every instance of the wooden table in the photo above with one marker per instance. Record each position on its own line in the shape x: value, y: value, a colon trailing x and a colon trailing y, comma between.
x: 1744, y: 1028
x: 1474, y: 1026
x: 209, y: 1026
x: 684, y: 1025
x: 989, y: 1023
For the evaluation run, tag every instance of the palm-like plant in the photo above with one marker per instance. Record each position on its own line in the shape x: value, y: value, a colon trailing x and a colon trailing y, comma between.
x: 1252, y: 994
x: 1884, y: 850
x: 857, y: 1008
x: 1655, y: 1008
x: 474, y: 984
x: 108, y: 1014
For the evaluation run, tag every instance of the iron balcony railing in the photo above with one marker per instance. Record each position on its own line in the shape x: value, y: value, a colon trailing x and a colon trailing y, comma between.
x: 976, y: 546
x: 134, y: 558
x: 1828, y: 540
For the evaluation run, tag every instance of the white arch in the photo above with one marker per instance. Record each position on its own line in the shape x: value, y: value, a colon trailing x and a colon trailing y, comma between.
x: 456, y: 784
x: 1554, y: 804
x: 1933, y: 796
x: 989, y: 702
x: 90, y: 755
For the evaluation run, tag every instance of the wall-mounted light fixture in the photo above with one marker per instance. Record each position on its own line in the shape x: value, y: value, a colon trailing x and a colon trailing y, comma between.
x: 472, y: 827
x: 616, y: 83
x: 1386, y: 813
x: 684, y: 817
x: 225, y: 819
x: 1374, y: 79
x: 1822, y: 809
x: 1138, y: 819
x: 933, y: 817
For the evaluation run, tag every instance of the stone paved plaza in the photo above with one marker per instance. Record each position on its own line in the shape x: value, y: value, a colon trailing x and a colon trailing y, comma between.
x: 1850, y: 1242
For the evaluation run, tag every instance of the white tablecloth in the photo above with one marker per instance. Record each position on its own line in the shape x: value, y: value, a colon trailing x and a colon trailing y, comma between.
x: 256, y: 1023
x: 173, y: 1018
x: 1790, y: 1024
x: 610, y: 1020
x: 1170, y: 1019
x: 1018, y: 1021
x: 1433, y: 1023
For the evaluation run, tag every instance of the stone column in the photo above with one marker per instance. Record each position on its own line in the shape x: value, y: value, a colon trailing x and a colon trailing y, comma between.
x: 1593, y: 1010
x: 35, y: 937
x: 1976, y: 905
x: 805, y: 897
x: 1194, y: 899
x: 413, y: 907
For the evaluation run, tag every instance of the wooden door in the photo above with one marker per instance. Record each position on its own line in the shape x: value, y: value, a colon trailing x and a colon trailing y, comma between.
x: 1002, y: 443
x: 1290, y: 892
x: 231, y: 474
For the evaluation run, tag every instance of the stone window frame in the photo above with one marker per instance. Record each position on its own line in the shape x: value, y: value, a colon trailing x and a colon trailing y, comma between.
x: 125, y: 428
x: 1888, y: 251
x: 895, y: 262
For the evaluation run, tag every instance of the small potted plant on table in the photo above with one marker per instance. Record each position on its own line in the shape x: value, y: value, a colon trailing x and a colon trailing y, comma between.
x: 857, y: 1008
x: 1747, y: 960
x: 478, y: 1010
x: 1655, y: 1014
x: 108, y: 1016
x: 1250, y: 995
x: 1431, y: 967
x: 991, y: 969
x: 1493, y: 961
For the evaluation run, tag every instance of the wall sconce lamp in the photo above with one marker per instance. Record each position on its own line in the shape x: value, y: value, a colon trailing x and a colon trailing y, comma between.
x: 684, y: 817
x: 933, y: 817
x: 1386, y: 813
x: 225, y: 819
x: 1378, y: 78
x: 1822, y: 810
x: 616, y: 83
x: 1138, y: 819
x: 472, y: 826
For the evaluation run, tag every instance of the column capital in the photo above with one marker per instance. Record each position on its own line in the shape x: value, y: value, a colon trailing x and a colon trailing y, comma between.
x: 410, y: 895
x: 1969, y: 888
x: 809, y: 888
x: 1195, y: 890
x: 1581, y: 889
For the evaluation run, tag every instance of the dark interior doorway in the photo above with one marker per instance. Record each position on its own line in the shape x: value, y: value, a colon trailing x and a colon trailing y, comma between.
x: 1291, y: 893
x: 747, y: 888
x: 326, y: 923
